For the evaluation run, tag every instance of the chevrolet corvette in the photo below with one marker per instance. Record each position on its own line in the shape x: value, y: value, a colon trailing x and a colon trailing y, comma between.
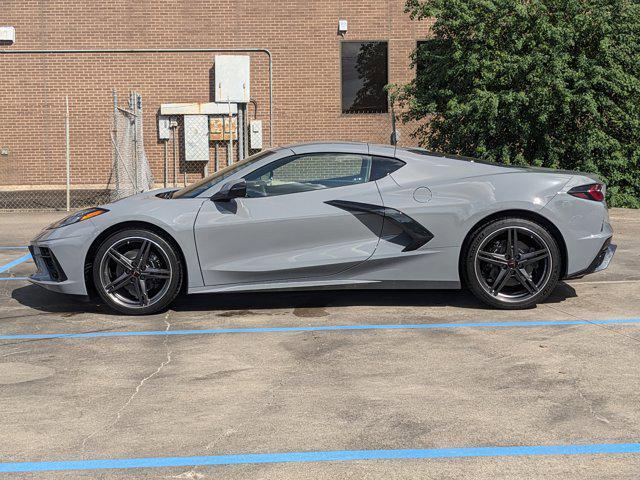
x: 336, y: 216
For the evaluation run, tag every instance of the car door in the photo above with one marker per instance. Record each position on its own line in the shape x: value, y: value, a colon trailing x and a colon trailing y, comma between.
x: 284, y: 228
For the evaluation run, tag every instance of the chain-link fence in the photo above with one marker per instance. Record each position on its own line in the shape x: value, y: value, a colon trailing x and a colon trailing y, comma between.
x: 131, y: 173
x: 23, y: 187
x: 97, y: 152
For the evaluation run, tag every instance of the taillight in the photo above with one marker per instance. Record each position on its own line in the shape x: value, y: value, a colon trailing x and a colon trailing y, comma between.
x: 588, y: 192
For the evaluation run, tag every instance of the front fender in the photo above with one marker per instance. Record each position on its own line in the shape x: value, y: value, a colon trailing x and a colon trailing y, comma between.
x: 174, y: 217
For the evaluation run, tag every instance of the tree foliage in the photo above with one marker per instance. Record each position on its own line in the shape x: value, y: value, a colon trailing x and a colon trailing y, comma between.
x: 371, y: 56
x: 552, y: 83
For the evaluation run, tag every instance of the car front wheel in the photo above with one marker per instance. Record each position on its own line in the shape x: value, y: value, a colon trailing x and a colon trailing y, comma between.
x: 512, y: 263
x: 137, y: 272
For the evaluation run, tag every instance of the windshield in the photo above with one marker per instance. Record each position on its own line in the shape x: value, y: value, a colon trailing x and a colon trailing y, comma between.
x: 195, y: 189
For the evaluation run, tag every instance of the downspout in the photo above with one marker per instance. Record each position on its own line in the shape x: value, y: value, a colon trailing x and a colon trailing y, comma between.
x: 161, y: 50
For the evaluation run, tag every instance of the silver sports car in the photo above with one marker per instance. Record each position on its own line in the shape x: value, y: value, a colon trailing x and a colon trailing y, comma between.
x: 336, y: 215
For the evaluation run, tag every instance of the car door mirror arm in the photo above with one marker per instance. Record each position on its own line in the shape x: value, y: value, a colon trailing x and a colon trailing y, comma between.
x: 230, y: 190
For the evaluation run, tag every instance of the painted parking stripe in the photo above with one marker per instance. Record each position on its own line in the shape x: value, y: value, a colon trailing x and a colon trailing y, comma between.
x: 17, y: 261
x: 13, y: 278
x: 13, y: 248
x: 322, y: 456
x: 417, y: 326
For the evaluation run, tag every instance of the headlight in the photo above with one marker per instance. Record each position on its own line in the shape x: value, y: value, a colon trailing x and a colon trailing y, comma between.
x: 78, y: 217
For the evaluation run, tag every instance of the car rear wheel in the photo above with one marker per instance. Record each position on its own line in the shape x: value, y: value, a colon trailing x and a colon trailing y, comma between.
x: 137, y: 272
x: 512, y: 263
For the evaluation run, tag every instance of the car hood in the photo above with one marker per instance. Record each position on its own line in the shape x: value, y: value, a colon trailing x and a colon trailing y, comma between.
x: 149, y: 196
x: 151, y: 204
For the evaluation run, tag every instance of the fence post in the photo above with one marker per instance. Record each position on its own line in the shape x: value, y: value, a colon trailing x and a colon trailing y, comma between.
x: 175, y: 156
x: 133, y: 105
x: 66, y: 127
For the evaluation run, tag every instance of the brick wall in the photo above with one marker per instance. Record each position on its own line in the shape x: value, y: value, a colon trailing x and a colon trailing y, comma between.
x: 302, y: 36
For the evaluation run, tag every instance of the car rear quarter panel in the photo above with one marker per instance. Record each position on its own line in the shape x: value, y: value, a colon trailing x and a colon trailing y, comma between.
x: 463, y: 195
x: 584, y: 224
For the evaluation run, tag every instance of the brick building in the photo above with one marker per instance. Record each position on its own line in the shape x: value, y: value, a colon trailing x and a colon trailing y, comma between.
x: 316, y: 94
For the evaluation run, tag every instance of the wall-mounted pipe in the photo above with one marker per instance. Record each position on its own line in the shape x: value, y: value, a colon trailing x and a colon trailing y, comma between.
x: 161, y: 50
x: 240, y: 129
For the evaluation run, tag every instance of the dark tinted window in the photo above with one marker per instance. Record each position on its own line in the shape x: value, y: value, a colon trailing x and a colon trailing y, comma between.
x: 383, y: 166
x: 364, y: 76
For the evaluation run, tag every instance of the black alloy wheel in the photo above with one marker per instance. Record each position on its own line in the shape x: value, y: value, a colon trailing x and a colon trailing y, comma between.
x: 512, y: 263
x: 137, y: 272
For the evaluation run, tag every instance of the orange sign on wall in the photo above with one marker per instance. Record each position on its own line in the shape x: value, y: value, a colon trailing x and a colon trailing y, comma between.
x: 219, y: 128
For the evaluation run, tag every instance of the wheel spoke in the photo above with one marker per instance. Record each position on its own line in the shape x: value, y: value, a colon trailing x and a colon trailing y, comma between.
x: 138, y: 289
x: 142, y: 288
x: 120, y: 258
x: 156, y: 273
x: 493, y: 258
x: 533, y: 257
x: 523, y: 277
x: 501, y: 280
x: 512, y: 242
x: 143, y: 254
x: 118, y: 283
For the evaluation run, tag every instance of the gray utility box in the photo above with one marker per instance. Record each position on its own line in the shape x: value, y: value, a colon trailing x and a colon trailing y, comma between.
x: 164, y: 127
x: 196, y: 138
x: 255, y: 135
x: 232, y: 77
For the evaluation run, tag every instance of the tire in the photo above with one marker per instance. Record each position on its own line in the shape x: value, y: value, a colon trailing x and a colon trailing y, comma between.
x: 137, y: 272
x: 509, y: 281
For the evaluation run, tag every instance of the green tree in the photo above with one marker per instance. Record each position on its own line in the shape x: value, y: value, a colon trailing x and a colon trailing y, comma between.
x: 552, y: 83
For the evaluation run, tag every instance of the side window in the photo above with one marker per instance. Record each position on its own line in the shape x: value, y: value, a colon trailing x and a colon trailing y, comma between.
x: 302, y: 173
x: 383, y: 166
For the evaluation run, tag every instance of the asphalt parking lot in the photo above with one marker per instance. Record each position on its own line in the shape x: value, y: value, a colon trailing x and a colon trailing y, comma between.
x: 409, y: 384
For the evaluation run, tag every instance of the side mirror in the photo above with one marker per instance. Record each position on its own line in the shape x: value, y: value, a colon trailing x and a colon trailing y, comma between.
x: 231, y: 190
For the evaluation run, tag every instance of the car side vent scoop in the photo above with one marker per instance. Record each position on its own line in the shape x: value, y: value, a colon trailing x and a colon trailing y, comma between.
x: 168, y: 194
x: 417, y: 233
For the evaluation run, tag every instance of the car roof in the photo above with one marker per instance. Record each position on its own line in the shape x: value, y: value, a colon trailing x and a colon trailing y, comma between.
x: 323, y: 143
x: 373, y: 148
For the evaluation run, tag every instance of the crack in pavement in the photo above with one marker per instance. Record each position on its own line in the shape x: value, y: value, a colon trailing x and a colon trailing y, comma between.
x: 120, y: 411
x: 190, y: 474
x: 604, y: 327
x: 590, y: 405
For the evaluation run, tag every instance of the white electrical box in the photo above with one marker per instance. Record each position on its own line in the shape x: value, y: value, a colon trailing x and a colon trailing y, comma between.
x: 196, y: 138
x: 164, y: 127
x: 255, y: 135
x: 7, y: 34
x: 232, y: 77
x: 342, y: 26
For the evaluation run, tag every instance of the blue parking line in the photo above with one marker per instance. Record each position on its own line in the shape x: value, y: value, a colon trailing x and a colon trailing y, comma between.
x: 13, y: 248
x: 18, y: 261
x: 318, y: 328
x: 321, y: 456
x: 13, y: 278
